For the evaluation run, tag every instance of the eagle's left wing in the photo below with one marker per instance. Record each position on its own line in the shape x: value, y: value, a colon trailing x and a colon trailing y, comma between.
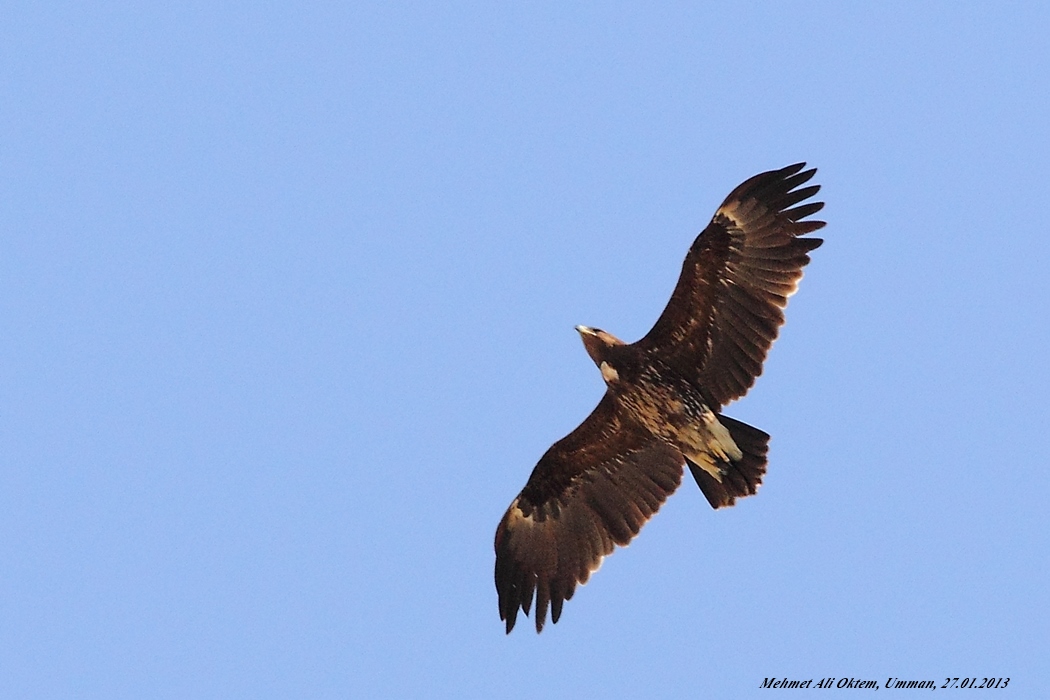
x: 727, y: 307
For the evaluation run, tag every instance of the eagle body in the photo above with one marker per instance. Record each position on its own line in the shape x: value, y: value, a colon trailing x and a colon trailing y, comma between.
x: 595, y: 488
x: 661, y: 401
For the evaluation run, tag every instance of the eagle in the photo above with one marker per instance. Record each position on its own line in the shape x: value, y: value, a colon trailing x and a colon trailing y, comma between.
x: 597, y: 486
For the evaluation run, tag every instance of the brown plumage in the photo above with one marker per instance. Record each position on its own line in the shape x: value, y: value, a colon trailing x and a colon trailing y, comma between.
x: 596, y: 487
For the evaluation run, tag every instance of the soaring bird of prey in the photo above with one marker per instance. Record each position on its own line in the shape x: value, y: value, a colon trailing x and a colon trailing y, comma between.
x: 597, y: 486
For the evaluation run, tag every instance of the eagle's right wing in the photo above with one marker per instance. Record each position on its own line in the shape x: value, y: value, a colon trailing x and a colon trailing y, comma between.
x: 592, y: 490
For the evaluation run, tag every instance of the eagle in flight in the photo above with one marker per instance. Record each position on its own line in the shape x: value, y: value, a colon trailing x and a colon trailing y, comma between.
x: 597, y: 486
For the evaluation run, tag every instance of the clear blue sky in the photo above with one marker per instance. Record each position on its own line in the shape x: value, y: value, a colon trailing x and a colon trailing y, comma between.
x: 288, y: 299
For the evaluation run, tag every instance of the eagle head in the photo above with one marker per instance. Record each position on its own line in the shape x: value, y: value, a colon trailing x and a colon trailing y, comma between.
x: 597, y: 342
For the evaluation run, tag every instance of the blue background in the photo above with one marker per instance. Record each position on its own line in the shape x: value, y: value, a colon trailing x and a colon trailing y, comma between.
x: 288, y: 297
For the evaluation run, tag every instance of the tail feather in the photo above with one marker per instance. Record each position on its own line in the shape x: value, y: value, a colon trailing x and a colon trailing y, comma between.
x: 740, y: 478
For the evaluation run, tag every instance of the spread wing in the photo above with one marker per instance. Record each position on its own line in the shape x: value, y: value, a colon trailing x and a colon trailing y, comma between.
x: 727, y: 308
x: 592, y: 490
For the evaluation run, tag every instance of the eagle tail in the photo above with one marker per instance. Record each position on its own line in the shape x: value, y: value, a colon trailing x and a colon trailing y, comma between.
x: 740, y: 477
